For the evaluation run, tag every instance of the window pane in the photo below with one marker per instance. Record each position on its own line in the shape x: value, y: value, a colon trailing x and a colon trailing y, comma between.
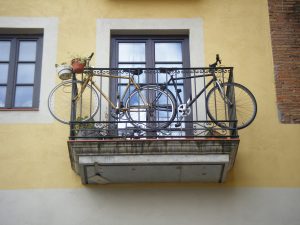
x: 3, y: 73
x: 132, y: 52
x: 131, y: 66
x: 5, y: 50
x: 168, y: 52
x: 121, y: 91
x: 179, y: 86
x: 163, y: 77
x: 27, y: 51
x: 25, y: 73
x: 164, y: 65
x: 23, y: 97
x: 2, y: 96
x: 137, y: 78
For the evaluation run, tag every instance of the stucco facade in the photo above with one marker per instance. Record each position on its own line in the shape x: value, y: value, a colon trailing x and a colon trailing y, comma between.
x: 37, y: 183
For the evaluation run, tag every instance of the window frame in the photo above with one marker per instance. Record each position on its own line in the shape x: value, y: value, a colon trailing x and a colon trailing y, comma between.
x: 150, y: 60
x: 149, y: 41
x: 11, y: 84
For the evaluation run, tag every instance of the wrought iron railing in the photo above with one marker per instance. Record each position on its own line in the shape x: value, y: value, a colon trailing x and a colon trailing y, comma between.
x: 187, y: 83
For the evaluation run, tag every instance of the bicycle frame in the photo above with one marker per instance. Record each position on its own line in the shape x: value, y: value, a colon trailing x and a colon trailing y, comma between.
x: 114, y: 106
x: 212, y: 68
x: 119, y: 104
x: 172, y: 81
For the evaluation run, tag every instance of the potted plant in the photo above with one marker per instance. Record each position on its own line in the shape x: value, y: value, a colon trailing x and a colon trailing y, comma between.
x: 78, y: 63
x: 64, y: 71
x: 84, y: 129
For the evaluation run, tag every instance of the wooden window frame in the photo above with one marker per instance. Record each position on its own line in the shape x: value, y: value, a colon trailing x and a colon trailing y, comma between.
x: 12, y: 71
x: 115, y: 39
x: 150, y: 41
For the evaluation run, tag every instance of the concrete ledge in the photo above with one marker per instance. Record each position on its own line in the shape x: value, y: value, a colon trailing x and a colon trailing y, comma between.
x: 147, y: 160
x: 153, y: 168
x: 153, y: 159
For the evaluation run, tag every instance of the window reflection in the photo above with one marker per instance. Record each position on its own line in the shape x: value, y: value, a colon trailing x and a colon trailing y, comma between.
x: 5, y: 50
x: 25, y: 73
x: 2, y: 96
x: 132, y: 52
x: 27, y: 51
x: 122, y: 89
x: 3, y: 73
x: 163, y: 77
x: 168, y: 52
x: 137, y: 78
x: 23, y: 96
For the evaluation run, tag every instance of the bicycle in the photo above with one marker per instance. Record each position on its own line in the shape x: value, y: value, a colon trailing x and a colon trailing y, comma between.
x: 226, y: 102
x: 144, y: 102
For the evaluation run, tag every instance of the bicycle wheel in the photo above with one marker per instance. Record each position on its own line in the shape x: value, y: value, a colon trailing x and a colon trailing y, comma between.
x: 60, y: 102
x: 239, y: 105
x: 151, y: 108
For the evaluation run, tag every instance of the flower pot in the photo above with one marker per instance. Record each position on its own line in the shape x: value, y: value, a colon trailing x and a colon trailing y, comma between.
x: 64, y: 72
x: 78, y: 65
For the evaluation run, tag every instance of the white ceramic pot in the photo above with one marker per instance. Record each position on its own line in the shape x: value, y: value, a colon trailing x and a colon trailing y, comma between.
x: 64, y: 72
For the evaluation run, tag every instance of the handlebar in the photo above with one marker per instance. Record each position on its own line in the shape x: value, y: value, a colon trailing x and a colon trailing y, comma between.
x: 218, y: 61
x: 91, y: 56
x: 88, y: 59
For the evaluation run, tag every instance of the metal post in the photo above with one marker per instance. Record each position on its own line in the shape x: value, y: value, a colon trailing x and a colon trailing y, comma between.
x: 73, y: 107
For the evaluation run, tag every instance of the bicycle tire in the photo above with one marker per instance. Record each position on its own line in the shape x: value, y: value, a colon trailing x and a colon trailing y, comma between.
x: 141, y: 114
x: 243, y: 109
x: 60, y: 96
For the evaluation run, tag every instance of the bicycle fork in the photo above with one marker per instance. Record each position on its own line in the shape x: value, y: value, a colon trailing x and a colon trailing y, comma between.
x: 118, y: 109
x: 83, y: 86
x: 223, y: 94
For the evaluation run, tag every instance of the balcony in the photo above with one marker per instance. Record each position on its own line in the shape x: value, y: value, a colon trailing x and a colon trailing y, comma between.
x: 193, y: 148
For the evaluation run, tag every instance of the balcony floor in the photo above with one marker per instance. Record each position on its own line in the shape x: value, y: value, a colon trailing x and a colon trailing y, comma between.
x: 153, y: 160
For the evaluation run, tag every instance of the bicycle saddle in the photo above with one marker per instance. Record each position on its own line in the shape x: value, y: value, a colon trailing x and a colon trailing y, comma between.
x: 136, y: 71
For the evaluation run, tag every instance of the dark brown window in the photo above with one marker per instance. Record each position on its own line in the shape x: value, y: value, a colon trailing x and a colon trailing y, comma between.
x: 20, y: 71
x: 150, y: 52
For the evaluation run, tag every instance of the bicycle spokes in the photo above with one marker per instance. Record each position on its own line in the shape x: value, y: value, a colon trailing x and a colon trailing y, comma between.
x: 154, y: 111
x: 234, y: 103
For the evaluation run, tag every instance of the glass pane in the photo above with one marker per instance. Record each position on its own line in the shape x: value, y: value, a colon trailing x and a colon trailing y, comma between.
x: 23, y: 97
x: 163, y: 114
x: 122, y: 89
x: 137, y: 78
x: 163, y: 77
x: 27, y: 51
x: 132, y: 52
x: 3, y: 73
x: 131, y: 65
x: 5, y: 50
x: 2, y: 96
x: 168, y: 52
x: 25, y: 73
x: 172, y: 89
x: 168, y: 65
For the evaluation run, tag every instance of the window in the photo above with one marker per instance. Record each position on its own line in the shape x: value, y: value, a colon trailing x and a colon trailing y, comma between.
x: 20, y: 71
x: 150, y: 52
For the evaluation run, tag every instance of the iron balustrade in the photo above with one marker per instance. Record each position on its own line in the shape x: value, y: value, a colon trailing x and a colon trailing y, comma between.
x: 187, y: 83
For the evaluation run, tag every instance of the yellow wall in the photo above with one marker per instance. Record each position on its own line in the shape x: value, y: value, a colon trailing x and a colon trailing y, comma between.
x: 36, y: 155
